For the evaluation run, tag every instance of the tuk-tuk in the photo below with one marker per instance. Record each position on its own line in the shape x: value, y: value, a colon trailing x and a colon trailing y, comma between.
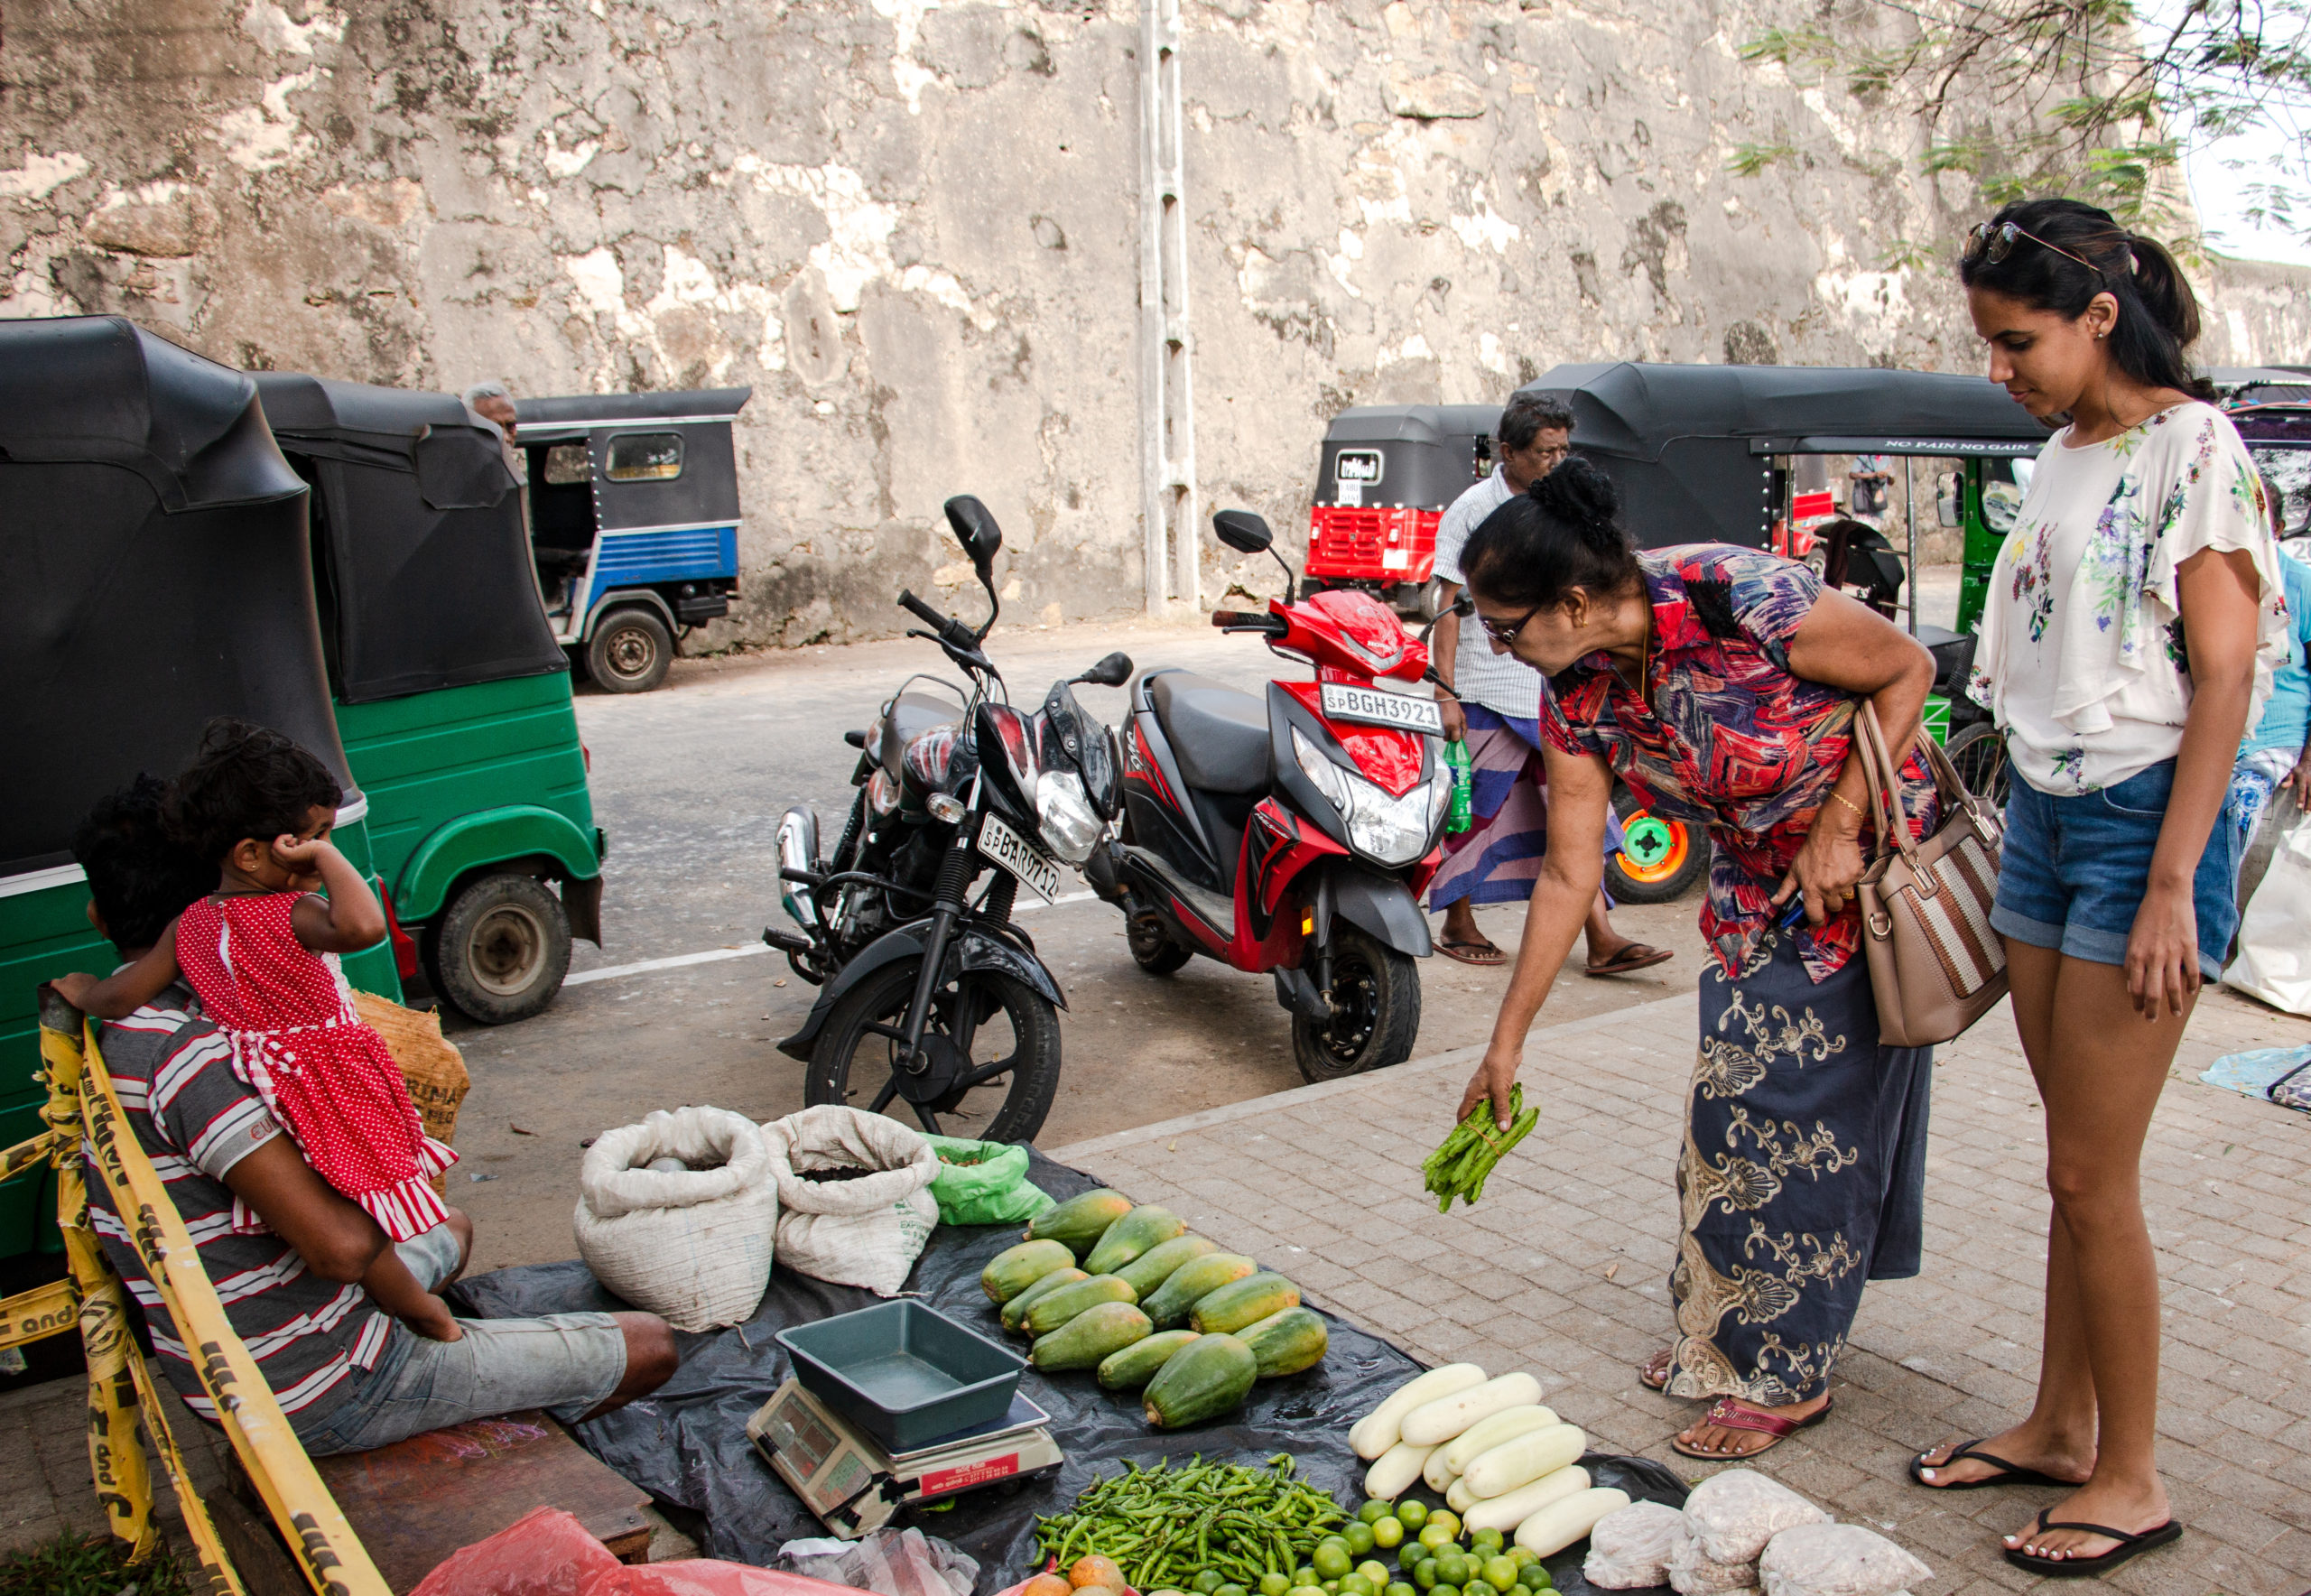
x: 2271, y: 408
x: 155, y: 554
x: 1705, y: 454
x: 1385, y: 476
x: 453, y: 697
x: 634, y: 522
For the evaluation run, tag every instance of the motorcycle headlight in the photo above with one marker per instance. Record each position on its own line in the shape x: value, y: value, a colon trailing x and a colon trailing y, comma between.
x: 1066, y: 815
x: 1392, y: 830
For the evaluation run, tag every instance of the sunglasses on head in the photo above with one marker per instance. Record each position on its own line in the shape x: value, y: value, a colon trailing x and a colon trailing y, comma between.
x: 1994, y: 243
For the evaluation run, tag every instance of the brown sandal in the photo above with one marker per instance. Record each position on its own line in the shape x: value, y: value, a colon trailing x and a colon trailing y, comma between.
x: 1653, y: 1374
x: 1486, y: 954
x: 1728, y: 1413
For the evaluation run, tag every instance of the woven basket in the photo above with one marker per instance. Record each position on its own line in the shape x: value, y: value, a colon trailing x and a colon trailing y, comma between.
x: 430, y: 1062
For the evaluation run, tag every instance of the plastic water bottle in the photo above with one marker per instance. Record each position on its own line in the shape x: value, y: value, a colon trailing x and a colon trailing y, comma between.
x: 1456, y: 755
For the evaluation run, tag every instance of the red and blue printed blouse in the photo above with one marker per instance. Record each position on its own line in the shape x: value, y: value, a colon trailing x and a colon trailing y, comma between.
x: 1732, y: 740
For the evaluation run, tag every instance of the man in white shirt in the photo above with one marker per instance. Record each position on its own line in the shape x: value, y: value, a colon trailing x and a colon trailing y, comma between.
x: 1492, y: 703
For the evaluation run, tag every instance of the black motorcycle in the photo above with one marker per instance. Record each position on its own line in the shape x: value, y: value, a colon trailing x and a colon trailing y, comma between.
x: 931, y: 996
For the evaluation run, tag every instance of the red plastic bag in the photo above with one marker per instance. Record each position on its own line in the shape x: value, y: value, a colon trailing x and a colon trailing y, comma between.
x: 548, y: 1553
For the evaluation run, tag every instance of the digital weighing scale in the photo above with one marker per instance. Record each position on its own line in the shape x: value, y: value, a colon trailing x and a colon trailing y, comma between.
x: 853, y: 1486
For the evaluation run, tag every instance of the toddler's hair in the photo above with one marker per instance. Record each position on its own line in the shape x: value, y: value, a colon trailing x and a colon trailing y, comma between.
x: 247, y: 781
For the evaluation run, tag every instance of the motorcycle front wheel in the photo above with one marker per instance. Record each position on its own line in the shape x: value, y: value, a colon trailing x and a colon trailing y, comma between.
x: 1006, y: 1035
x: 1376, y: 1011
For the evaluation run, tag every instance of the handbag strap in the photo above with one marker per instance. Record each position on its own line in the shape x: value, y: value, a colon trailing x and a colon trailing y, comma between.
x: 1884, y: 776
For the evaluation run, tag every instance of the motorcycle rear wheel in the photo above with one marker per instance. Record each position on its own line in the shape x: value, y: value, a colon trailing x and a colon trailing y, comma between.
x: 853, y: 1062
x: 1152, y: 947
x: 1376, y: 1016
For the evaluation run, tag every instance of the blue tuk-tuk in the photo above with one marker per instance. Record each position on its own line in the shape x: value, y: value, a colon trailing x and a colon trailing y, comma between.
x: 634, y: 522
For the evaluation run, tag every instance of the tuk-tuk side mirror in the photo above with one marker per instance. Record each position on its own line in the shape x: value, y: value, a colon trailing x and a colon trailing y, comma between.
x: 1110, y: 672
x: 1242, y: 531
x: 976, y: 530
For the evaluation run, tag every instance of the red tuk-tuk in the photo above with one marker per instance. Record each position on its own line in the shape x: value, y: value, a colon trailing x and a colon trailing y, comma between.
x: 1385, y: 476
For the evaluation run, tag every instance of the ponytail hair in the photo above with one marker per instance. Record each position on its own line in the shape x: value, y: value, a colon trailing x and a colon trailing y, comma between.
x: 1563, y: 533
x: 2158, y: 315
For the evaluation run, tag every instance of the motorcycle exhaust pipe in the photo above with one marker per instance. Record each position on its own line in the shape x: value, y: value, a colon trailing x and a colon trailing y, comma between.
x: 798, y: 850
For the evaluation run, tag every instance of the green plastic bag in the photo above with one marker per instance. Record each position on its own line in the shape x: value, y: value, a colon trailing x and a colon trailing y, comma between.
x: 984, y: 1182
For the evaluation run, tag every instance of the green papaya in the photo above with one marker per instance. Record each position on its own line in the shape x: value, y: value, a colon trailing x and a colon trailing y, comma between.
x: 1286, y: 1343
x: 1201, y: 1380
x: 1015, y: 1311
x: 1090, y: 1337
x: 1133, y: 1235
x: 1242, y: 1303
x: 1079, y: 1221
x: 1013, y: 1270
x: 1151, y: 1268
x: 1137, y: 1364
x: 1192, y: 1280
x: 1056, y: 1308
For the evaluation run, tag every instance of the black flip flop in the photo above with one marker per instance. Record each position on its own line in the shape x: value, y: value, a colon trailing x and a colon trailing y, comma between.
x: 2013, y: 1473
x: 2072, y: 1568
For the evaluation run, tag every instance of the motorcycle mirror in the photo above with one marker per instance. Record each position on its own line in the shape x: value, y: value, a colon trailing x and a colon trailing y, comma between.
x: 976, y: 530
x: 1111, y: 672
x: 1461, y: 605
x: 1241, y: 531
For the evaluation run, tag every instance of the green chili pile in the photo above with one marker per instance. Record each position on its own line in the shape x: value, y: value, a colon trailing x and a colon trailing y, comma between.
x: 1460, y: 1165
x: 1163, y: 1525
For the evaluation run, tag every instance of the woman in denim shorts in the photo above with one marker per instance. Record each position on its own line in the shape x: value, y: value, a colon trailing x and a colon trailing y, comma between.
x: 2133, y: 621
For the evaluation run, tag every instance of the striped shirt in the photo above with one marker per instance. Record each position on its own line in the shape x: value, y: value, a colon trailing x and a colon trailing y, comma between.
x: 195, y: 1119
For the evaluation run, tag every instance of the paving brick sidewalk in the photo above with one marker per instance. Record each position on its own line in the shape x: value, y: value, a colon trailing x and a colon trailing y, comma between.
x: 1562, y: 1270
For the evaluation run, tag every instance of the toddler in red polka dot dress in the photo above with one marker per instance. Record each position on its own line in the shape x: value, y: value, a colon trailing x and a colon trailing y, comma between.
x: 261, y: 953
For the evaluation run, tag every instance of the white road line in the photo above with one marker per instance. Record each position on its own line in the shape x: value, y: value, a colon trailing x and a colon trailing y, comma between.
x: 610, y: 972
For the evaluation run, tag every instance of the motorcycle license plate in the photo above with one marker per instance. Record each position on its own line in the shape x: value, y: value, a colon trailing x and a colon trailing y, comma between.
x: 1370, y: 706
x: 1016, y: 854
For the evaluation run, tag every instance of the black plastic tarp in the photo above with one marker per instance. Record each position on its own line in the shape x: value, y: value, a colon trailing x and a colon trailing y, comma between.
x: 687, y: 1444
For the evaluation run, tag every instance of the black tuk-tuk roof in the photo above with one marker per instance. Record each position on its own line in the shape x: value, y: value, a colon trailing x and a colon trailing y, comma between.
x: 1416, y: 456
x: 1422, y: 423
x: 155, y: 549
x: 429, y: 582
x: 702, y: 491
x: 586, y: 410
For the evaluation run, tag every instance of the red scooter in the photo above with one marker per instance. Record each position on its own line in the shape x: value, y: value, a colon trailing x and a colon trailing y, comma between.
x: 1291, y: 834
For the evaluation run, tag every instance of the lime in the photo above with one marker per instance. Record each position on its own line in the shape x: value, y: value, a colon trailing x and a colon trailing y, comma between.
x: 1534, y: 1577
x: 1448, y: 1520
x: 1208, y: 1582
x: 1412, y: 1554
x: 1230, y: 1589
x: 1412, y: 1514
x: 1501, y: 1574
x: 1443, y: 1589
x: 1331, y: 1559
x: 1303, y: 1587
x: 1451, y: 1569
x: 1356, y: 1584
x: 1306, y: 1575
x: 1521, y: 1557
x: 1372, y: 1511
x: 1388, y: 1531
x: 1433, y: 1534
x: 1332, y: 1588
x: 1275, y: 1584
x: 1374, y: 1570
x: 1423, y: 1574
x: 1359, y: 1536
x: 1486, y: 1540
x: 1399, y: 1587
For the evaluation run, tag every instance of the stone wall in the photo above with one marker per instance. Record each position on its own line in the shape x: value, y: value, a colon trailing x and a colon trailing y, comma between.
x: 913, y: 228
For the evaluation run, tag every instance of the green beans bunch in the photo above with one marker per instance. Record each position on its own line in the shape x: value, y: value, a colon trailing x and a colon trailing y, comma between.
x: 1163, y: 1525
x: 1462, y: 1161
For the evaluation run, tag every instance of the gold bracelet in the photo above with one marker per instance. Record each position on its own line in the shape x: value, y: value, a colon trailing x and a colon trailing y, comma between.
x: 1850, y: 804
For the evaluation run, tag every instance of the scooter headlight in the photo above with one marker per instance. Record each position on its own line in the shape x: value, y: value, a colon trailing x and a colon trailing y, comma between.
x: 1392, y: 830
x: 1064, y: 813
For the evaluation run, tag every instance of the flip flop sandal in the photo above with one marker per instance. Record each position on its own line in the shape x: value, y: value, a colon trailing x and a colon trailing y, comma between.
x: 2072, y: 1568
x: 1634, y: 957
x: 2010, y: 1473
x: 1653, y: 1374
x: 1486, y: 954
x: 1729, y: 1415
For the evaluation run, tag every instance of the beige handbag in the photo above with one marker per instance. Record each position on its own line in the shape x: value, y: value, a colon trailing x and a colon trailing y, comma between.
x: 1936, y: 965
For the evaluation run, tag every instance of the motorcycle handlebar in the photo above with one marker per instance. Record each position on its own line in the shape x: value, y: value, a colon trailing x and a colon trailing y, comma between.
x: 947, y: 628
x: 1246, y: 620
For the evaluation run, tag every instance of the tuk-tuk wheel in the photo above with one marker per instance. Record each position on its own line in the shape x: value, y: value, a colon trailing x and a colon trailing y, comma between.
x: 499, y: 950
x: 630, y: 651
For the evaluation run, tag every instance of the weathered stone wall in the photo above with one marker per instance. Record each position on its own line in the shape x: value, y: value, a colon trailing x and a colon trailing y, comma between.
x: 913, y: 227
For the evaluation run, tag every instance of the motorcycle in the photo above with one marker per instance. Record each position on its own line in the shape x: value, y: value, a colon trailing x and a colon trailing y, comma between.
x: 915, y: 972
x: 1291, y: 834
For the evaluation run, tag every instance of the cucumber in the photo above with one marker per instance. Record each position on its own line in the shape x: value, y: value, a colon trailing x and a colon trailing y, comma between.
x: 1244, y: 1302
x: 1487, y: 1433
x: 1151, y: 1268
x: 1056, y: 1308
x: 1446, y: 1418
x: 1203, y: 1379
x: 1505, y: 1513
x: 1286, y: 1343
x: 1192, y: 1280
x: 1438, y: 1473
x: 1015, y: 1311
x: 1566, y: 1520
x: 1137, y: 1364
x: 1079, y: 1221
x: 1456, y: 1495
x: 1519, y: 1462
x: 1377, y: 1431
x: 1131, y: 1235
x: 1395, y: 1471
x: 1013, y: 1270
x: 1089, y: 1337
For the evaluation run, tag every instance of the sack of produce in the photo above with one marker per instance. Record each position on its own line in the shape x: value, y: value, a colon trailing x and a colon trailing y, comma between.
x: 1732, y: 1516
x: 1630, y: 1549
x: 854, y: 1195
x: 984, y: 1182
x: 1692, y: 1572
x: 689, y: 1240
x: 1837, y: 1560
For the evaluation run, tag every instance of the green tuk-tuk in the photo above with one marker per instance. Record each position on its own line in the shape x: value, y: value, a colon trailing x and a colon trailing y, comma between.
x: 155, y: 553
x: 453, y: 696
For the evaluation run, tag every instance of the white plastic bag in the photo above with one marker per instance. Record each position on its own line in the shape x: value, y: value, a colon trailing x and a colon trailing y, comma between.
x: 864, y: 1231
x: 889, y: 1562
x: 1693, y: 1573
x: 2274, y: 957
x: 1732, y: 1516
x: 1629, y: 1548
x: 693, y: 1248
x: 1837, y: 1560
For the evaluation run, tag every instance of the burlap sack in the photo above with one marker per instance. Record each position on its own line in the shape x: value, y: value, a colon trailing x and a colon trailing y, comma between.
x: 430, y: 1062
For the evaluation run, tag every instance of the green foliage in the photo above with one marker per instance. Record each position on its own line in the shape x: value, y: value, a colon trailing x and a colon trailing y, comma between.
x: 77, y: 1564
x: 1748, y: 160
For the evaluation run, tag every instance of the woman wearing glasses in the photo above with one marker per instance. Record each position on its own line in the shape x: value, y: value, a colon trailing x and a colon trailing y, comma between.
x: 2135, y: 617
x: 1722, y: 684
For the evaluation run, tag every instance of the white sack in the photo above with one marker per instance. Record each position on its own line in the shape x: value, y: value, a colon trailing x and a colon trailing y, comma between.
x: 1629, y: 1548
x: 1692, y: 1572
x: 1837, y: 1560
x: 865, y: 1232
x: 1732, y: 1516
x: 2274, y: 957
x: 694, y: 1247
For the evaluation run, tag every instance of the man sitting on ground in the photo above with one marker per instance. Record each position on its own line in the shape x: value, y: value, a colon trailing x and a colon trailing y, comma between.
x: 347, y: 1375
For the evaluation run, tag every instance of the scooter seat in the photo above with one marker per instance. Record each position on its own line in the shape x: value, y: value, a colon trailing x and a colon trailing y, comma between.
x: 1218, y: 733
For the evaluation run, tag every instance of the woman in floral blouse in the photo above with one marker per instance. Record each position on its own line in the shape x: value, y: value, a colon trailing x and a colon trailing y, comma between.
x: 2136, y: 613
x: 1722, y: 684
